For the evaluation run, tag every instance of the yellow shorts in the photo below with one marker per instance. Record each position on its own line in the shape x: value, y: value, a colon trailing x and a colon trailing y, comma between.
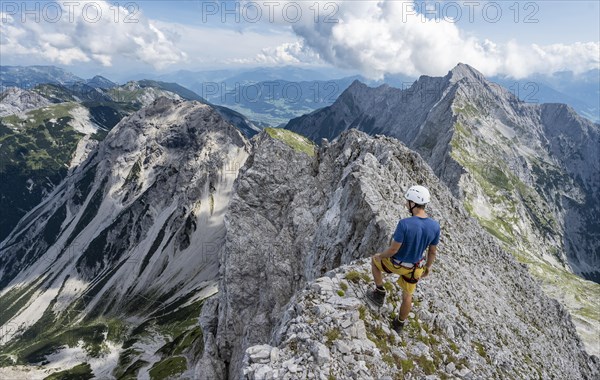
x: 386, y: 266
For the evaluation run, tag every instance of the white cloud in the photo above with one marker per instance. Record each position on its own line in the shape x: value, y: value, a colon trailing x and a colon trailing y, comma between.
x: 288, y: 53
x: 373, y: 37
x: 378, y: 37
x: 87, y: 31
x: 217, y: 46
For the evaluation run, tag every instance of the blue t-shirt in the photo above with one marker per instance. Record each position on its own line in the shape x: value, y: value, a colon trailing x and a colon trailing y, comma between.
x: 415, y: 234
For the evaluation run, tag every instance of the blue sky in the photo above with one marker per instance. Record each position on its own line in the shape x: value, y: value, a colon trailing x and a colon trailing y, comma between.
x: 545, y: 21
x: 367, y: 37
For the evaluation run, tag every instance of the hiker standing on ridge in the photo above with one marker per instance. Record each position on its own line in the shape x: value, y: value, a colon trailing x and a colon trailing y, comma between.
x: 405, y: 255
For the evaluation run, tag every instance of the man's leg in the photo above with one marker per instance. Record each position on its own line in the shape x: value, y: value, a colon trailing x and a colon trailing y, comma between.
x: 399, y: 322
x: 406, y: 305
x: 377, y: 295
x: 376, y: 273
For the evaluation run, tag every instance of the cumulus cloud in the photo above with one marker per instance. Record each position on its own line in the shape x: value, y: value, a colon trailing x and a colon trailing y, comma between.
x: 287, y: 53
x: 85, y: 31
x: 389, y: 36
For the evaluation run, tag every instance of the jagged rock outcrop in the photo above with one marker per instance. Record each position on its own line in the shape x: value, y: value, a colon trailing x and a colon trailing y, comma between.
x: 329, y: 332
x: 294, y: 218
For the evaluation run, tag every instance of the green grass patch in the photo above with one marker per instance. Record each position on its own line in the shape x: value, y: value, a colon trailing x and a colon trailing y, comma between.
x: 426, y: 365
x: 132, y: 371
x: 294, y: 140
x: 134, y: 173
x: 407, y: 365
x: 353, y: 276
x: 49, y: 335
x: 331, y: 336
x: 482, y: 351
x: 389, y: 360
x: 362, y: 312
x: 453, y: 347
x: 379, y: 337
x: 466, y: 109
x: 80, y: 372
x: 168, y: 368
x: 389, y: 287
x: 6, y: 361
x: 183, y: 343
x: 14, y: 300
x: 41, y: 115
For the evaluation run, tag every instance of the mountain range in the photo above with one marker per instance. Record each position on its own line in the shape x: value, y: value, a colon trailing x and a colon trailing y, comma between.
x: 273, y: 95
x: 185, y: 243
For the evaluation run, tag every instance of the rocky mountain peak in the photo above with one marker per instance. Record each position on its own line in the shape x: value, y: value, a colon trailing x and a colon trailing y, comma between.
x: 99, y: 81
x: 175, y: 201
x: 463, y: 71
x: 16, y: 100
x: 158, y: 175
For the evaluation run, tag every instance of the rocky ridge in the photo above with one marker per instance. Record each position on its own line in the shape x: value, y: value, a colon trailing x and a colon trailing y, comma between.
x: 528, y: 172
x: 325, y: 212
x: 328, y: 331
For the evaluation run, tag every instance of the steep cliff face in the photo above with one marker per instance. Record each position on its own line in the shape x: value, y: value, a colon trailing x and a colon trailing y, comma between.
x: 130, y: 239
x: 529, y: 173
x: 294, y: 217
x: 297, y: 206
x: 574, y: 144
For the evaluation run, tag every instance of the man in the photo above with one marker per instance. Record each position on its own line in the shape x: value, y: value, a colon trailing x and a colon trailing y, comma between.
x: 405, y: 255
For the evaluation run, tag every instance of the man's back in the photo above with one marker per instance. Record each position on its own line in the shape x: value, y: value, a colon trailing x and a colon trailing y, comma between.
x: 415, y: 234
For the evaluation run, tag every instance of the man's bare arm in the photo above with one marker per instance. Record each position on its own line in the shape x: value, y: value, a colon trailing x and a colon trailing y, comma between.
x: 431, y: 255
x: 391, y: 251
x: 431, y: 252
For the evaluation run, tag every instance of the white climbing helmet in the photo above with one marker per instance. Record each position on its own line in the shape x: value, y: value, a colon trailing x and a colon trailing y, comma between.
x: 418, y: 194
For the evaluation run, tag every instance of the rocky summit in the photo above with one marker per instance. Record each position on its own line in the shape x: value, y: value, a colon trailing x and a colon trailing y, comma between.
x: 291, y: 302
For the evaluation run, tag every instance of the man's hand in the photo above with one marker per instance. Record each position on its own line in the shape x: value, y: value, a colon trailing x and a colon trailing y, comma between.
x: 426, y: 271
x: 377, y: 256
x: 391, y: 251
